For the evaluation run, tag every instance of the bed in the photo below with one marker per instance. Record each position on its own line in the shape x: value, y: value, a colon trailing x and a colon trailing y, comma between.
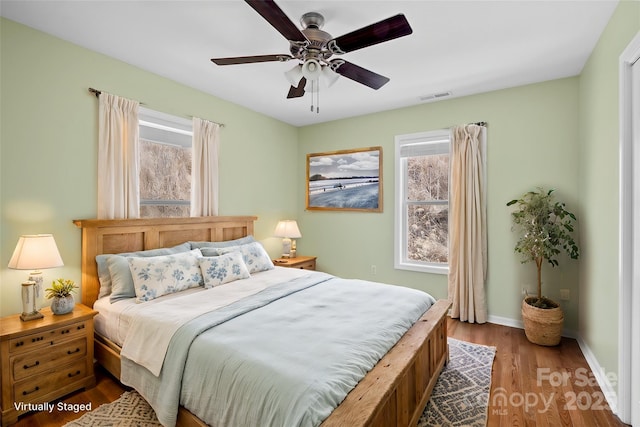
x: 393, y: 392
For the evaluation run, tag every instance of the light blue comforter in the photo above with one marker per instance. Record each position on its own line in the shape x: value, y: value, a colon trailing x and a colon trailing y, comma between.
x: 286, y: 356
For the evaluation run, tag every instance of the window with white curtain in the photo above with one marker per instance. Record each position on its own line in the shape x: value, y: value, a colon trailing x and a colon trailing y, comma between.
x: 165, y: 164
x: 422, y: 201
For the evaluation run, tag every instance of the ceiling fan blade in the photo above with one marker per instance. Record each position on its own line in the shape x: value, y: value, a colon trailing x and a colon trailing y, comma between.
x: 272, y: 13
x: 385, y: 30
x: 297, y: 92
x: 359, y: 74
x: 251, y: 59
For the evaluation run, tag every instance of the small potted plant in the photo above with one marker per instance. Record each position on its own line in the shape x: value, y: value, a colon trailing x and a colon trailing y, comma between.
x: 546, y: 230
x: 60, y: 291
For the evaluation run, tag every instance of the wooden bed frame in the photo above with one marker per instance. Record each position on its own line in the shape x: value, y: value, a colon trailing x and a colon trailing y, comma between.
x: 393, y: 393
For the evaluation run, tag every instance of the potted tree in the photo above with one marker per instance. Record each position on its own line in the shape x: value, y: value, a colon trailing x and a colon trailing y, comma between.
x: 546, y: 230
x: 60, y: 291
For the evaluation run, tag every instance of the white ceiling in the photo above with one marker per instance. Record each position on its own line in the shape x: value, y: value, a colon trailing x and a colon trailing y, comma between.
x: 462, y: 47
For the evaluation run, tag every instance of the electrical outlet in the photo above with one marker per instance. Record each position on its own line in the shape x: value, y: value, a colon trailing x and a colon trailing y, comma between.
x: 374, y: 269
x: 564, y: 294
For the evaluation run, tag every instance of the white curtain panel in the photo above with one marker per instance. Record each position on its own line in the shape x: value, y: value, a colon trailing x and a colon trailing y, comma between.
x: 118, y: 158
x: 204, y: 171
x: 467, y: 224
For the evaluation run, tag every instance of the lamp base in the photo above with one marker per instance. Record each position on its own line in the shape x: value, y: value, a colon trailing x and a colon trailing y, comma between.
x: 29, y: 308
x: 286, y: 247
x: 31, y: 316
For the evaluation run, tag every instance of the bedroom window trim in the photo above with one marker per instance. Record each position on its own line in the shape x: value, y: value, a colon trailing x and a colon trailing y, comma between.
x: 431, y: 142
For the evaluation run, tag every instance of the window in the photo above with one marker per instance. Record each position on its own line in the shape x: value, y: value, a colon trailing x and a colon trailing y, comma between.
x: 422, y: 201
x: 165, y: 164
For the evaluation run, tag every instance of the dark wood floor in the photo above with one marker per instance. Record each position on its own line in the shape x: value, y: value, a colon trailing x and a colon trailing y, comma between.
x: 533, y: 385
x: 530, y: 385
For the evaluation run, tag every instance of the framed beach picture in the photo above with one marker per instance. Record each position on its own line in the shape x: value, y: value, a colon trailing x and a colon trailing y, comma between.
x: 345, y: 180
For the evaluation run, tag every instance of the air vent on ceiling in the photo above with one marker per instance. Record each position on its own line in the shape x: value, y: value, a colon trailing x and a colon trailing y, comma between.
x: 434, y: 96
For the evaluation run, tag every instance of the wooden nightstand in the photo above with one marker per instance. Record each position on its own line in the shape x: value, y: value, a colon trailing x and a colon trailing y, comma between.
x: 302, y: 262
x: 45, y: 359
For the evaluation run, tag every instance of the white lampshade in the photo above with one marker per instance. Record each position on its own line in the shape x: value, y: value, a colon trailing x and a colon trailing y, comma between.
x: 35, y: 252
x: 329, y: 76
x: 287, y: 228
x: 326, y: 79
x: 294, y: 75
x: 311, y: 69
x: 316, y: 74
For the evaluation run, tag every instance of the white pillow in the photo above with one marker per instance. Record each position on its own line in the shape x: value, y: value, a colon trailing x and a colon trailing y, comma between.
x: 254, y: 255
x: 223, y: 269
x: 161, y: 275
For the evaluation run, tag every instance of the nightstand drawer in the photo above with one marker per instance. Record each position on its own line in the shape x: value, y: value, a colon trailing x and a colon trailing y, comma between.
x: 31, y: 389
x: 301, y: 262
x: 46, y: 338
x: 36, y: 362
x: 45, y: 359
x: 309, y: 265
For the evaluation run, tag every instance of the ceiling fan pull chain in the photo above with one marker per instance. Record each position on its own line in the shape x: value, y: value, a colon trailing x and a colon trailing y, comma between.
x: 315, y: 91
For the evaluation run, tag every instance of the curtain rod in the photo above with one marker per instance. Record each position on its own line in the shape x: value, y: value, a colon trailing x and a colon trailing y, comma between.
x: 483, y: 124
x: 97, y: 93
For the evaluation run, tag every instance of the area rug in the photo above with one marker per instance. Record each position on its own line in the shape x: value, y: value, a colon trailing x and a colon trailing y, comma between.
x: 459, y: 398
x: 461, y: 394
x: 129, y: 410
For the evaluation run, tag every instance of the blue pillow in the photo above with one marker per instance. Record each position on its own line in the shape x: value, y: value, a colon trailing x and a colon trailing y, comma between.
x: 225, y: 244
x: 104, y: 275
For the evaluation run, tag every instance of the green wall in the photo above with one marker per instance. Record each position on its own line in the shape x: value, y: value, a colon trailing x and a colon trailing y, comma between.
x: 562, y: 134
x: 48, y: 147
x: 599, y: 187
x: 532, y: 141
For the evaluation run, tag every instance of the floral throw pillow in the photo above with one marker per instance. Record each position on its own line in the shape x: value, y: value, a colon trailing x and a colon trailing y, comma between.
x: 161, y: 275
x: 105, y: 274
x: 254, y: 255
x: 223, y: 269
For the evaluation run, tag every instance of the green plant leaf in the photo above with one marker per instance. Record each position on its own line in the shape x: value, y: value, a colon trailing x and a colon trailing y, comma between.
x: 544, y: 227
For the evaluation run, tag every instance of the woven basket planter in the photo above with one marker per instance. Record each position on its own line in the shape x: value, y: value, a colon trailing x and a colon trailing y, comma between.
x: 542, y: 326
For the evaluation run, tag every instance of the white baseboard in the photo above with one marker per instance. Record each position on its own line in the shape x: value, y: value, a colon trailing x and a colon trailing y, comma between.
x: 505, y: 321
x: 516, y: 323
x: 609, y: 391
x: 599, y: 374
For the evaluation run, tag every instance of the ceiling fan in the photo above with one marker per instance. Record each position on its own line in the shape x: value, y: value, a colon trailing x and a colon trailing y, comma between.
x: 314, y: 48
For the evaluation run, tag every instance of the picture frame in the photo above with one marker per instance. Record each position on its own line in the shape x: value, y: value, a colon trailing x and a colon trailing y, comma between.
x: 345, y: 180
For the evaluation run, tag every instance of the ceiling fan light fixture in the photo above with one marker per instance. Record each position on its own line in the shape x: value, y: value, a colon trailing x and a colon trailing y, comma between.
x: 329, y: 76
x: 294, y: 75
x: 311, y: 69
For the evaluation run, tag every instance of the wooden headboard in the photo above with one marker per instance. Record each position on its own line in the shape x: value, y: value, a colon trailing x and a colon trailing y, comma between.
x: 112, y: 236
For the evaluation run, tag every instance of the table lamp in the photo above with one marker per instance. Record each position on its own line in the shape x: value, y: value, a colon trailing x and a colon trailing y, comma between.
x: 288, y: 230
x: 34, y: 252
